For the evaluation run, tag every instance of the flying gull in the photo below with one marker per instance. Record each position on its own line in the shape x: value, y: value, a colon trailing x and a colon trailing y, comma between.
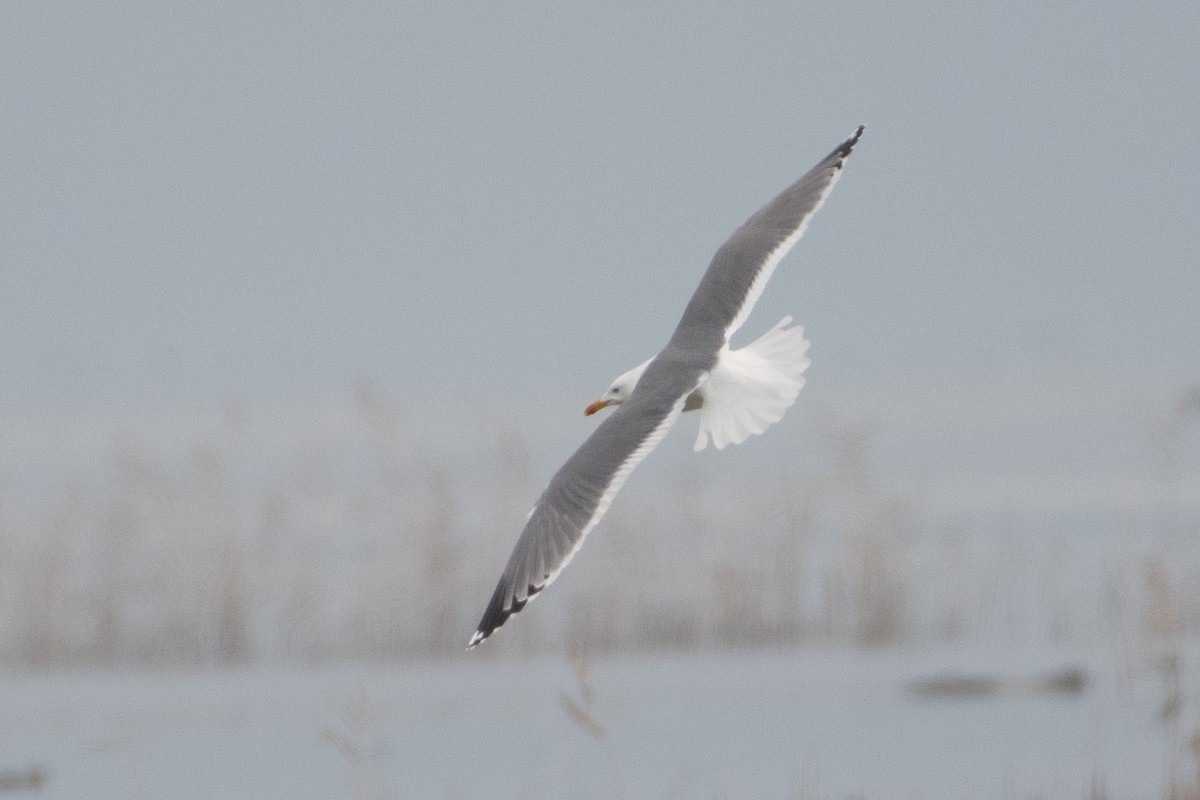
x: 738, y: 392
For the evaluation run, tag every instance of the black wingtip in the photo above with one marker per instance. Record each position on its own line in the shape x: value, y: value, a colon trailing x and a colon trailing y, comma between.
x: 488, y: 624
x: 495, y: 616
x: 846, y: 147
x: 496, y: 613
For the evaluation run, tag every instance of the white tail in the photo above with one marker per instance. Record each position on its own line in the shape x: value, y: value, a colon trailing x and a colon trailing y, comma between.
x: 751, y: 388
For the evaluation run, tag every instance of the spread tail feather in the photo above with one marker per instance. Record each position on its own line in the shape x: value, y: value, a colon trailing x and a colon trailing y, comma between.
x: 751, y: 388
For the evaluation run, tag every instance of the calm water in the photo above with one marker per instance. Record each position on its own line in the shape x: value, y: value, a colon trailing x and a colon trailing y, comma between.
x: 775, y: 724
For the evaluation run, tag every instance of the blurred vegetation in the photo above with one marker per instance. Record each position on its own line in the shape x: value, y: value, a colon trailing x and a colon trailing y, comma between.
x: 355, y: 542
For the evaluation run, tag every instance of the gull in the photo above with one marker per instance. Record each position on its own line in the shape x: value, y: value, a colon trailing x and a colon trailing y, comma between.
x: 737, y: 392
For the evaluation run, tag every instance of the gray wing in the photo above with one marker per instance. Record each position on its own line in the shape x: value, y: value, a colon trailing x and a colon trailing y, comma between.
x: 582, y: 489
x: 743, y: 265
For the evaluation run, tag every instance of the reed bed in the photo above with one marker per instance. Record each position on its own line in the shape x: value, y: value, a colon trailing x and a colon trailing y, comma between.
x: 357, y: 538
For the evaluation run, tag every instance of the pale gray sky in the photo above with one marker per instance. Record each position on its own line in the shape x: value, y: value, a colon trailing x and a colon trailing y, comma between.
x: 216, y: 197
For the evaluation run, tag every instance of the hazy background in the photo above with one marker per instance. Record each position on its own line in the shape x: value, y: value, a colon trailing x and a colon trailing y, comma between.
x: 300, y: 305
x: 488, y: 212
x: 246, y: 225
x: 470, y: 201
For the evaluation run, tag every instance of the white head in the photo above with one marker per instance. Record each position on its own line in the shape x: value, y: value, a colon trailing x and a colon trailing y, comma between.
x: 620, y: 389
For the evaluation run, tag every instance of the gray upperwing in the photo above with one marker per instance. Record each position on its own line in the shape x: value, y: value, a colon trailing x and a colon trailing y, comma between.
x: 582, y: 489
x: 741, y: 267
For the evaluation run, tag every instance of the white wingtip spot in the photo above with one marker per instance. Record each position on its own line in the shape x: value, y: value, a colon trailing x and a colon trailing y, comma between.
x: 476, y: 639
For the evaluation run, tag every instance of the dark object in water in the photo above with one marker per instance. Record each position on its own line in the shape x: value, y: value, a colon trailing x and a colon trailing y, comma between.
x: 20, y: 780
x: 1068, y: 680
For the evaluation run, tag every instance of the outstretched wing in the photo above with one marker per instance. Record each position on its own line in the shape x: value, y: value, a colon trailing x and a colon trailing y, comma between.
x: 743, y: 265
x: 582, y: 489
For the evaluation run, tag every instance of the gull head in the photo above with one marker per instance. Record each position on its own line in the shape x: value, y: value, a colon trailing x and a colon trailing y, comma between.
x: 620, y: 389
